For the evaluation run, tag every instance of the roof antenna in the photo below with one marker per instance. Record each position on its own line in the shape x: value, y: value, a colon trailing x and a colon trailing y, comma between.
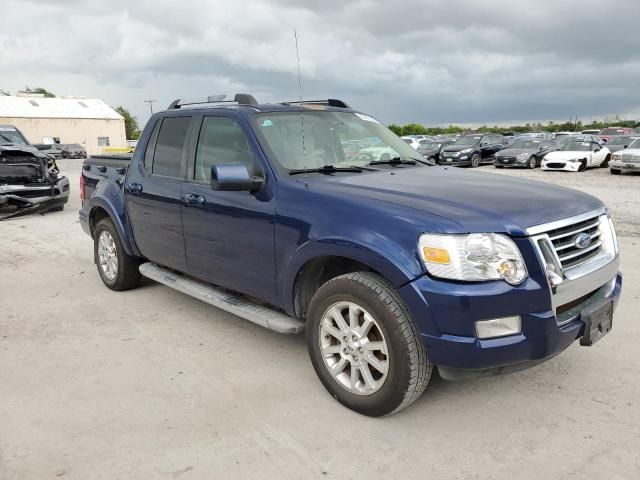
x: 304, y: 150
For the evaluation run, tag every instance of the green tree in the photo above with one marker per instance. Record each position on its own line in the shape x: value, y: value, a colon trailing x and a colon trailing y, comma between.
x: 39, y: 90
x: 131, y: 127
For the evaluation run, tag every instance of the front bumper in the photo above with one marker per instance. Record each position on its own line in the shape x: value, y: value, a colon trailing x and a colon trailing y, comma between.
x: 510, y: 162
x: 561, y: 165
x: 21, y: 199
x: 461, y: 161
x: 551, y: 322
x: 624, y: 166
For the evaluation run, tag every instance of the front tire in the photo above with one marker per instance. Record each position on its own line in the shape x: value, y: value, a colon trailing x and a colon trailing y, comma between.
x: 615, y: 172
x: 605, y: 164
x: 532, y: 163
x: 475, y: 160
x: 117, y: 270
x: 364, y: 345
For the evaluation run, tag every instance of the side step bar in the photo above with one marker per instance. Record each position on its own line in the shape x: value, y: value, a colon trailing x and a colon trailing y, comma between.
x: 263, y: 316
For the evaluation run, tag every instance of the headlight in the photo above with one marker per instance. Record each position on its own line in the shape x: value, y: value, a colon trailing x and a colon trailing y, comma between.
x: 472, y: 258
x: 522, y: 156
x: 616, y: 156
x: 466, y: 150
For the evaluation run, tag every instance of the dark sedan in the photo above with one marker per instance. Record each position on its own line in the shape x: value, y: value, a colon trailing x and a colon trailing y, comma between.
x: 73, y: 150
x: 524, y: 153
x: 431, y: 149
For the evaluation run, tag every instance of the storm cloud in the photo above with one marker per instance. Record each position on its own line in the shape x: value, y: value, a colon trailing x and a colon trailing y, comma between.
x: 430, y: 62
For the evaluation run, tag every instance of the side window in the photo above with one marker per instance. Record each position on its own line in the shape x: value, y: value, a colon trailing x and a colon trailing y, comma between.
x: 221, y: 140
x: 148, y: 153
x: 167, y: 157
x: 594, y: 147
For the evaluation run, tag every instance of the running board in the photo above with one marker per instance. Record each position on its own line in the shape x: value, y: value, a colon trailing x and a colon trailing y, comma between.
x: 263, y: 316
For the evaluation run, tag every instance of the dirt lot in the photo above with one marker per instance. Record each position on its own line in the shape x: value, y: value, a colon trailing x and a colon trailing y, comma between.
x: 153, y: 384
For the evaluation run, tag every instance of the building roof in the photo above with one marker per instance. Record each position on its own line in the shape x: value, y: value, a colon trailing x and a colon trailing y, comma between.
x: 41, y: 107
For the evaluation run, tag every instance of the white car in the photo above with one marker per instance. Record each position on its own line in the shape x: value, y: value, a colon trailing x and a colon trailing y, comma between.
x: 626, y: 160
x: 577, y: 157
x: 412, y: 141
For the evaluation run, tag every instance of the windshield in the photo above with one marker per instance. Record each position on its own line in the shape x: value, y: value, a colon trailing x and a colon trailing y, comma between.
x: 11, y: 135
x: 620, y: 141
x: 577, y: 147
x: 635, y: 143
x: 330, y: 138
x: 429, y: 146
x: 526, y: 144
x: 470, y: 140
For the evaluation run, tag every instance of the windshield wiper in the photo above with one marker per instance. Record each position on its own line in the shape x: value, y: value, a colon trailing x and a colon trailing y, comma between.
x: 326, y: 169
x: 400, y: 161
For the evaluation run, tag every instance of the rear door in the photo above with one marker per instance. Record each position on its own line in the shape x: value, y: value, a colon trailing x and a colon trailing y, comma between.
x: 230, y: 235
x: 154, y: 191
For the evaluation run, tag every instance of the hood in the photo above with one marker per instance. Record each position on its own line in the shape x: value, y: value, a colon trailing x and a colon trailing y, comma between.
x: 512, y: 152
x: 17, y: 147
x: 457, y: 148
x: 476, y: 201
x: 566, y: 155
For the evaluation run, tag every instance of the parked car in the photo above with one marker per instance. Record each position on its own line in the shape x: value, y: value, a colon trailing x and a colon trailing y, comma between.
x: 607, y: 134
x: 431, y: 148
x: 524, y: 153
x: 393, y: 268
x: 73, y: 150
x: 542, y: 135
x: 564, y: 140
x: 30, y: 180
x: 472, y: 150
x: 577, y: 157
x: 54, y: 149
x: 626, y: 160
x: 621, y: 142
x: 590, y: 132
x: 412, y: 141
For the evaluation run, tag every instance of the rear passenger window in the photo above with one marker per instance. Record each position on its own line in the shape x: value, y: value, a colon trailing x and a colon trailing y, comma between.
x: 167, y: 158
x: 221, y: 141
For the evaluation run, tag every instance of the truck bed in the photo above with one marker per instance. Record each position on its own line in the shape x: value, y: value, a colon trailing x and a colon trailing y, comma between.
x: 97, y: 167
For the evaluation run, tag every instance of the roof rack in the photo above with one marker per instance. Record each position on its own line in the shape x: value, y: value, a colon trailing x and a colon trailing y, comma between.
x: 331, y: 102
x: 238, y: 99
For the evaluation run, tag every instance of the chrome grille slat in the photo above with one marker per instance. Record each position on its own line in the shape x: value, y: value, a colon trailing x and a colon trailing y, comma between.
x: 577, y: 253
x: 576, y: 231
x: 564, y: 246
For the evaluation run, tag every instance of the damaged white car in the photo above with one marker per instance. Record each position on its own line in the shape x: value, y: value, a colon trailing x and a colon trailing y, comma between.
x: 30, y: 180
x: 577, y: 157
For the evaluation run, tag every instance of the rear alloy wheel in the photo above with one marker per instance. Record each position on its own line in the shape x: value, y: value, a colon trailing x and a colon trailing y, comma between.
x: 117, y: 270
x: 532, y: 163
x: 364, y: 345
x: 475, y: 160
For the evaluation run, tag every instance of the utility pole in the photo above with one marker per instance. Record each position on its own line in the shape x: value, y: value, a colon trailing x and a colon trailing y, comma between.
x: 150, y: 102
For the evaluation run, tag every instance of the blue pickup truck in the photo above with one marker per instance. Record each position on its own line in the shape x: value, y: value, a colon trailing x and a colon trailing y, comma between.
x: 312, y: 216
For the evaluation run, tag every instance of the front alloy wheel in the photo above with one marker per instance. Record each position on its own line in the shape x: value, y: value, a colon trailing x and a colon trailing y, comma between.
x: 532, y: 163
x: 475, y: 160
x: 354, y: 348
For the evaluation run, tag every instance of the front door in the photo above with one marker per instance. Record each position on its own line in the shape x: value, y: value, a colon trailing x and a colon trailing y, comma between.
x: 154, y: 192
x: 229, y: 235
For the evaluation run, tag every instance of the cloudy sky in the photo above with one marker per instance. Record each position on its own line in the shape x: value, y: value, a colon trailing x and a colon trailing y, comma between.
x: 431, y: 62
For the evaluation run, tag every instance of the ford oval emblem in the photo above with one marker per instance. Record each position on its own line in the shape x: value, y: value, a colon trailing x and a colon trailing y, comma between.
x: 582, y: 240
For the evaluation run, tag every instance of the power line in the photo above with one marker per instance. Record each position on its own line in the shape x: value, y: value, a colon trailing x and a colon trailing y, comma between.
x: 150, y: 102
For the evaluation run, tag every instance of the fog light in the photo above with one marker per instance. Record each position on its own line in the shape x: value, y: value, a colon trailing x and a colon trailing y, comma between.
x: 498, y: 327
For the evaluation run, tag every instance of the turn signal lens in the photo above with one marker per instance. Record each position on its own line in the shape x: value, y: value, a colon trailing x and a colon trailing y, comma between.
x: 436, y: 255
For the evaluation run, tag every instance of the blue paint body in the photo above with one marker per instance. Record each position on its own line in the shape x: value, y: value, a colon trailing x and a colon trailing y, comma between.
x: 257, y: 243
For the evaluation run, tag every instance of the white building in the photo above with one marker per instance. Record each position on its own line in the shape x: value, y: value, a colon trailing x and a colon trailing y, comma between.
x: 87, y: 121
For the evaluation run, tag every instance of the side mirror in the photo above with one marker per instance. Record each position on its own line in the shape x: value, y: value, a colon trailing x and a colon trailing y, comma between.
x: 234, y: 177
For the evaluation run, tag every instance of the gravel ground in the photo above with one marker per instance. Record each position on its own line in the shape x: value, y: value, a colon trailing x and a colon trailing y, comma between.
x: 151, y: 384
x: 621, y: 193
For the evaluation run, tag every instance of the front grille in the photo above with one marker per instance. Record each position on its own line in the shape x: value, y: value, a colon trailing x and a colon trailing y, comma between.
x: 629, y: 157
x: 556, y: 165
x: 564, y: 242
x: 507, y: 159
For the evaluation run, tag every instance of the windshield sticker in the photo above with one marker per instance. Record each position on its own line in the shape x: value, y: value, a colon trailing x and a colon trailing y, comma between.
x: 366, y: 118
x: 266, y: 123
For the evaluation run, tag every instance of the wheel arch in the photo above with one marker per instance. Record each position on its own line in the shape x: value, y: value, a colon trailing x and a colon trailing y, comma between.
x: 102, y: 210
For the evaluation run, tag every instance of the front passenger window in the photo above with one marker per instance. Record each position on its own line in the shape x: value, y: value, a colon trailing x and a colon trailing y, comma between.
x: 221, y: 140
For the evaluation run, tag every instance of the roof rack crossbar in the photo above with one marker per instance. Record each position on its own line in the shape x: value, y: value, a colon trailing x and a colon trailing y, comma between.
x: 238, y: 99
x: 331, y: 102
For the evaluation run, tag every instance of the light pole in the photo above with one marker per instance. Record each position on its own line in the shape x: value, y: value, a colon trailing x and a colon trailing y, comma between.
x: 150, y: 102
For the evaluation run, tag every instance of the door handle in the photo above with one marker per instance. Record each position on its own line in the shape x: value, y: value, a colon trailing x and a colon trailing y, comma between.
x: 193, y: 200
x: 135, y: 188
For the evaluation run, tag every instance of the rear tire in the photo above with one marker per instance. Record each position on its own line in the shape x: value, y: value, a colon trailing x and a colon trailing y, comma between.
x: 347, y: 316
x: 117, y: 270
